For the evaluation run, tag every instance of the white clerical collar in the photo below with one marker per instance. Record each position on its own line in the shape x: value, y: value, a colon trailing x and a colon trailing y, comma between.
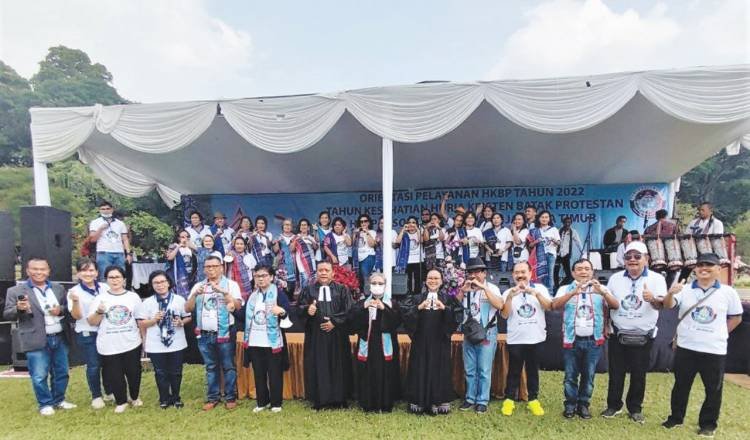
x: 324, y: 294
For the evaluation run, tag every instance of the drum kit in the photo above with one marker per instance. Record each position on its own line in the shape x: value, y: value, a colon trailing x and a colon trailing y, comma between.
x: 676, y: 252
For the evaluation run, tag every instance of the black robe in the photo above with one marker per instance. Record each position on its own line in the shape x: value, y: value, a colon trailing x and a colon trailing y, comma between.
x: 328, y: 355
x: 429, y: 379
x: 378, y: 379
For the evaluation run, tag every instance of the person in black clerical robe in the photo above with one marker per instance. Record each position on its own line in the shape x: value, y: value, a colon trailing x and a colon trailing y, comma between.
x: 324, y: 305
x: 430, y: 318
x: 375, y: 320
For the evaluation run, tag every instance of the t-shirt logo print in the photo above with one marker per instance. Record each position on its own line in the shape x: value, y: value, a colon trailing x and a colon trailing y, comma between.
x: 259, y: 317
x: 585, y: 311
x: 703, y: 315
x: 526, y: 311
x: 118, y: 315
x: 631, y: 302
x: 210, y: 303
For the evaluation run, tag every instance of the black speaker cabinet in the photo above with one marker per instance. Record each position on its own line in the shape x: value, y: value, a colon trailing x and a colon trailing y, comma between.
x: 7, y: 247
x: 46, y: 232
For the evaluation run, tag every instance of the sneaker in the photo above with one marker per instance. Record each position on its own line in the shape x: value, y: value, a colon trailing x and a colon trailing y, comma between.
x: 481, y: 409
x: 232, y: 404
x: 178, y: 404
x: 136, y: 403
x: 258, y: 409
x: 98, y: 403
x: 637, y: 417
x: 466, y: 406
x: 670, y: 423
x: 109, y: 398
x: 610, y: 413
x: 508, y: 406
x: 65, y: 405
x: 119, y: 409
x: 208, y: 406
x: 47, y: 411
x: 584, y: 413
x: 276, y: 409
x: 535, y: 406
x: 569, y: 413
x: 706, y: 432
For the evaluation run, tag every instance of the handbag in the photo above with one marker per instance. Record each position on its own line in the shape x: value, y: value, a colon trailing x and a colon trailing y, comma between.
x: 517, y: 251
x: 473, y: 330
x: 687, y: 312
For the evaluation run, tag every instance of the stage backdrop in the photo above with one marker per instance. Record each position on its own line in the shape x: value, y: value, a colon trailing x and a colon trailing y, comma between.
x: 596, y: 204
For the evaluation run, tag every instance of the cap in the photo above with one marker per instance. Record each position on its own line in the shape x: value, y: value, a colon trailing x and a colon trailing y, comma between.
x: 636, y: 246
x: 709, y: 258
x: 475, y: 264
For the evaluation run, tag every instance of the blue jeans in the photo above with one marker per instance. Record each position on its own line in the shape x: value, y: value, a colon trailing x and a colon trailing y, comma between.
x: 48, y: 368
x: 478, y: 368
x: 580, y: 359
x: 218, y: 355
x: 93, y: 362
x: 366, y: 266
x: 550, y: 281
x: 106, y: 259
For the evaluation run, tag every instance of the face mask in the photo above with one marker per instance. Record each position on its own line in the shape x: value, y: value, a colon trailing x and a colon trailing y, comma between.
x: 377, y: 289
x: 106, y: 215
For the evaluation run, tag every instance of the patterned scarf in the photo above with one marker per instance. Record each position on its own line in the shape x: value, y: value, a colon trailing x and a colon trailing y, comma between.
x: 166, y: 326
x: 355, y: 252
x: 240, y: 273
x: 218, y: 242
x: 257, y: 247
x: 490, y: 237
x: 330, y: 242
x: 570, y: 314
x: 464, y: 248
x: 222, y: 312
x: 538, y: 259
x: 304, y: 256
x: 92, y: 292
x: 200, y: 255
x: 362, y: 350
x: 402, y: 259
x: 288, y: 258
x: 379, y: 252
x: 272, y: 321
x: 180, y: 275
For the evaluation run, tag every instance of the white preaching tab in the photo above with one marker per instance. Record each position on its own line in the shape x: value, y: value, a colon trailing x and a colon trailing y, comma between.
x: 324, y: 294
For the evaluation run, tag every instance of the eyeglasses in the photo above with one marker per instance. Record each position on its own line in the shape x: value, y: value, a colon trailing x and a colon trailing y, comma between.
x: 114, y: 277
x: 211, y: 266
x: 633, y: 256
x: 160, y: 282
x: 262, y: 275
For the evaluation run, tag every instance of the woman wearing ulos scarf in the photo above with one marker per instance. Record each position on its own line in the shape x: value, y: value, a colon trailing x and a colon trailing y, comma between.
x: 430, y: 318
x: 163, y: 317
x: 282, y: 246
x: 375, y: 320
x: 240, y: 266
x: 183, y: 263
x: 264, y: 342
x: 304, y: 246
x: 261, y: 242
x: 543, y: 242
x: 337, y: 243
x: 409, y: 257
x: 201, y: 253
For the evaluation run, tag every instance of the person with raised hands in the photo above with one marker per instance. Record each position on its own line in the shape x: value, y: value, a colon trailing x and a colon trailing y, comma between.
x: 524, y: 307
x: 585, y: 303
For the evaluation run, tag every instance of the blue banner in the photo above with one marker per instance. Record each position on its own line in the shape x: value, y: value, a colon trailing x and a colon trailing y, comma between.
x: 597, y: 205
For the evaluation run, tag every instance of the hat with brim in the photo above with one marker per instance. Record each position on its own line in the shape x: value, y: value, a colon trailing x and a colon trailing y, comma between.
x: 475, y: 264
x: 709, y: 258
x: 638, y: 246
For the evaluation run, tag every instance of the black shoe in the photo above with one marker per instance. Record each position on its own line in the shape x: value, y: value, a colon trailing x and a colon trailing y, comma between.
x: 671, y: 423
x: 466, y: 406
x: 163, y: 405
x: 481, y: 409
x: 638, y: 417
x: 610, y: 413
x: 706, y: 432
x: 584, y: 413
x: 569, y: 413
x: 178, y: 404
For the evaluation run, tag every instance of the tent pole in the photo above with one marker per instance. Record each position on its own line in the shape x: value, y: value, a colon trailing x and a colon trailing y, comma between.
x: 387, y: 211
x: 41, y: 184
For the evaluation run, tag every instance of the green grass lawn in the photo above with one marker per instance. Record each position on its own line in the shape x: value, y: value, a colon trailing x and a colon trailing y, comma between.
x: 20, y: 419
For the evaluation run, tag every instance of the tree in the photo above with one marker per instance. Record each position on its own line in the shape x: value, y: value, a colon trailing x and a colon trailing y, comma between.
x: 16, y: 97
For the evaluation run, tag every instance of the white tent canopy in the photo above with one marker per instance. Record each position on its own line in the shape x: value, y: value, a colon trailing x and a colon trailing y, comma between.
x: 616, y: 128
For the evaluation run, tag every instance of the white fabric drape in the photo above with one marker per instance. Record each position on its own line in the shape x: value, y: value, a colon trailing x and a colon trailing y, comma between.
x: 407, y: 114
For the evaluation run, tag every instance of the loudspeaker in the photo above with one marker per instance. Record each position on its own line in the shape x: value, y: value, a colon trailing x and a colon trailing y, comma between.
x: 6, y: 349
x: 46, y: 232
x: 7, y: 247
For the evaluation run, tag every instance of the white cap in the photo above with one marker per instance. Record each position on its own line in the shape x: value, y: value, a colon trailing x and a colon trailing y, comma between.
x: 636, y: 246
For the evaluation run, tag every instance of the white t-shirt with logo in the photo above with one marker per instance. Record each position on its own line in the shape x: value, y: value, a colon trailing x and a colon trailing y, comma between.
x: 226, y: 237
x: 705, y: 328
x: 415, y: 247
x: 84, y: 303
x: 550, y: 233
x: 526, y: 322
x: 364, y: 250
x: 475, y: 240
x: 503, y: 237
x: 584, y: 319
x: 319, y: 254
x: 110, y: 239
x: 118, y: 330
x: 259, y: 330
x: 522, y: 234
x: 439, y: 248
x: 148, y: 310
x: 343, y: 252
x: 476, y: 312
x: 635, y: 314
x: 211, y: 301
x: 197, y: 236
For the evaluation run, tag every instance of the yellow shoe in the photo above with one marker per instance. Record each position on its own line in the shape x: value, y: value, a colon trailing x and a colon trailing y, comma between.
x: 536, y: 408
x: 508, y: 407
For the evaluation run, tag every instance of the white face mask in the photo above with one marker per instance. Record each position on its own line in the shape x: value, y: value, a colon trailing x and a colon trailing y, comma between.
x: 106, y: 215
x: 377, y: 289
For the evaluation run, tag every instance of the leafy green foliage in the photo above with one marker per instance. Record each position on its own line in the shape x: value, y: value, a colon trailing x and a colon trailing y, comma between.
x: 150, y: 236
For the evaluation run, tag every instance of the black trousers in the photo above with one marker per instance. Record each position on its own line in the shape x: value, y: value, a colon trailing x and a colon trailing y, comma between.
x: 414, y: 274
x: 623, y: 358
x: 168, y: 374
x: 521, y: 355
x: 688, y: 363
x: 563, y: 262
x: 118, y: 368
x: 269, y: 376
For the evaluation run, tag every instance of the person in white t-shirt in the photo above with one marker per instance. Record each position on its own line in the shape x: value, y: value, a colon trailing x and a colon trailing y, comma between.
x: 530, y: 216
x: 182, y: 256
x: 163, y: 317
x: 197, y: 229
x: 261, y: 242
x: 364, y: 239
x: 497, y: 240
x: 706, y: 223
x: 481, y: 300
x: 118, y: 338
x: 518, y: 231
x: 548, y: 236
x: 409, y: 257
x: 379, y: 258
x: 474, y: 239
x: 321, y: 229
x: 337, y: 243
x: 221, y: 232
x: 80, y: 298
x: 485, y: 222
x: 640, y: 293
x: 524, y: 307
x: 707, y: 311
x: 213, y: 301
x: 111, y: 237
x: 433, y: 237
